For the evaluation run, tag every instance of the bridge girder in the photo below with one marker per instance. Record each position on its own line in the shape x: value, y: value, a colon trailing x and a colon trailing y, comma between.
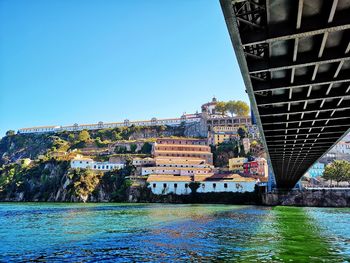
x: 295, y: 60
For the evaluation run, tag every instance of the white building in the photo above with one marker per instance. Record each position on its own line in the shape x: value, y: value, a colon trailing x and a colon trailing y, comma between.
x: 175, y: 170
x: 39, y: 129
x: 165, y: 184
x: 143, y: 161
x: 181, y: 162
x: 88, y: 163
x: 342, y: 147
x: 186, y: 118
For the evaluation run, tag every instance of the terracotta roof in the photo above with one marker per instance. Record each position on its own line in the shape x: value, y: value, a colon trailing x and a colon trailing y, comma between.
x: 197, y: 178
x: 145, y: 159
x: 178, y: 168
x: 168, y: 178
x: 177, y: 151
x: 177, y: 159
x: 82, y: 159
x: 223, y: 177
x: 182, y: 145
x: 181, y: 139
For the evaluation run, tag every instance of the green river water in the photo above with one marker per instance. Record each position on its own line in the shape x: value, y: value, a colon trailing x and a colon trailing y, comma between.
x: 172, y: 233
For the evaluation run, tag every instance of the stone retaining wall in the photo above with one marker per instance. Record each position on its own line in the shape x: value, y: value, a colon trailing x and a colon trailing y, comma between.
x: 320, y: 198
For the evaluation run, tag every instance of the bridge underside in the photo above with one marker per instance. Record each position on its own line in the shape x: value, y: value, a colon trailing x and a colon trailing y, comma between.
x: 294, y: 56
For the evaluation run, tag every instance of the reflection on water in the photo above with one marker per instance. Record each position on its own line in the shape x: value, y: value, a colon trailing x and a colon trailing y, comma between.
x: 154, y: 232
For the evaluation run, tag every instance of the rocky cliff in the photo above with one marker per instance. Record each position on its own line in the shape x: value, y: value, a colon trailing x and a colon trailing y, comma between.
x: 54, y: 181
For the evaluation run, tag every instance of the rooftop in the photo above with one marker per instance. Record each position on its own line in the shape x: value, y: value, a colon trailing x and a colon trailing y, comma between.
x: 168, y: 178
x: 198, y: 178
x: 178, y: 168
x: 176, y: 151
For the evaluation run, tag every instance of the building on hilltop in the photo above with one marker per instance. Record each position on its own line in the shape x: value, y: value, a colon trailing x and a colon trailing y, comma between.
x: 200, y: 122
x: 186, y: 119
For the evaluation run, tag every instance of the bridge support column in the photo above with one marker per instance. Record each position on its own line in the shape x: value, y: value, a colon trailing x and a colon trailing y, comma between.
x: 271, y: 183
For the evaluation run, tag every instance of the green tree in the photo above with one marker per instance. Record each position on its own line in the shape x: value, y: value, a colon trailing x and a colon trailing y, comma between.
x: 117, y: 136
x: 242, y: 132
x: 10, y: 133
x: 146, y: 148
x: 133, y: 147
x: 231, y: 107
x: 120, y: 149
x: 194, y: 187
x: 338, y: 171
x: 84, y: 136
x: 221, y: 107
x: 241, y: 108
x: 71, y: 137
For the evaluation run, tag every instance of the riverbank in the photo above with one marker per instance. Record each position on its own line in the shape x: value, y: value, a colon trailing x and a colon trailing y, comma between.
x: 304, y: 198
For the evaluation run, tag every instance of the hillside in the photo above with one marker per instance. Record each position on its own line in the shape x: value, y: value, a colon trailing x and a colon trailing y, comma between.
x: 44, y: 146
x: 54, y: 181
x: 35, y: 167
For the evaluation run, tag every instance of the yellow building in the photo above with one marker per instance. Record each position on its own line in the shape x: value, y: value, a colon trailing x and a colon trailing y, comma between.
x: 222, y: 134
x: 236, y: 164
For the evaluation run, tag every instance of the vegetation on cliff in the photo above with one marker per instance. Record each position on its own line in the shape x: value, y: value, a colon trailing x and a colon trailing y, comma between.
x: 53, y: 180
x: 18, y: 146
x: 225, y: 151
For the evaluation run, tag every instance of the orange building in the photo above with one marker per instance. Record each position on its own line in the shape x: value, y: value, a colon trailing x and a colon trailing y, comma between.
x: 181, y: 141
x: 183, y: 147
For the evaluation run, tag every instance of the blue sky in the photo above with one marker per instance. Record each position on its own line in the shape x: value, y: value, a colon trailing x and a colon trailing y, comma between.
x: 68, y: 61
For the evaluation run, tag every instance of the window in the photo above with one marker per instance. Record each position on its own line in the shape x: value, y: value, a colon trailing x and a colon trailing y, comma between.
x: 164, y: 185
x: 175, y: 185
x: 106, y: 166
x: 81, y: 162
x: 225, y: 185
x: 214, y: 185
x: 94, y: 166
x: 87, y: 162
x: 154, y: 185
x: 103, y: 167
x: 186, y: 185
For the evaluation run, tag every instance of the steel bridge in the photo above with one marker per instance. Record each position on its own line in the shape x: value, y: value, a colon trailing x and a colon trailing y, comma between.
x: 294, y: 56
